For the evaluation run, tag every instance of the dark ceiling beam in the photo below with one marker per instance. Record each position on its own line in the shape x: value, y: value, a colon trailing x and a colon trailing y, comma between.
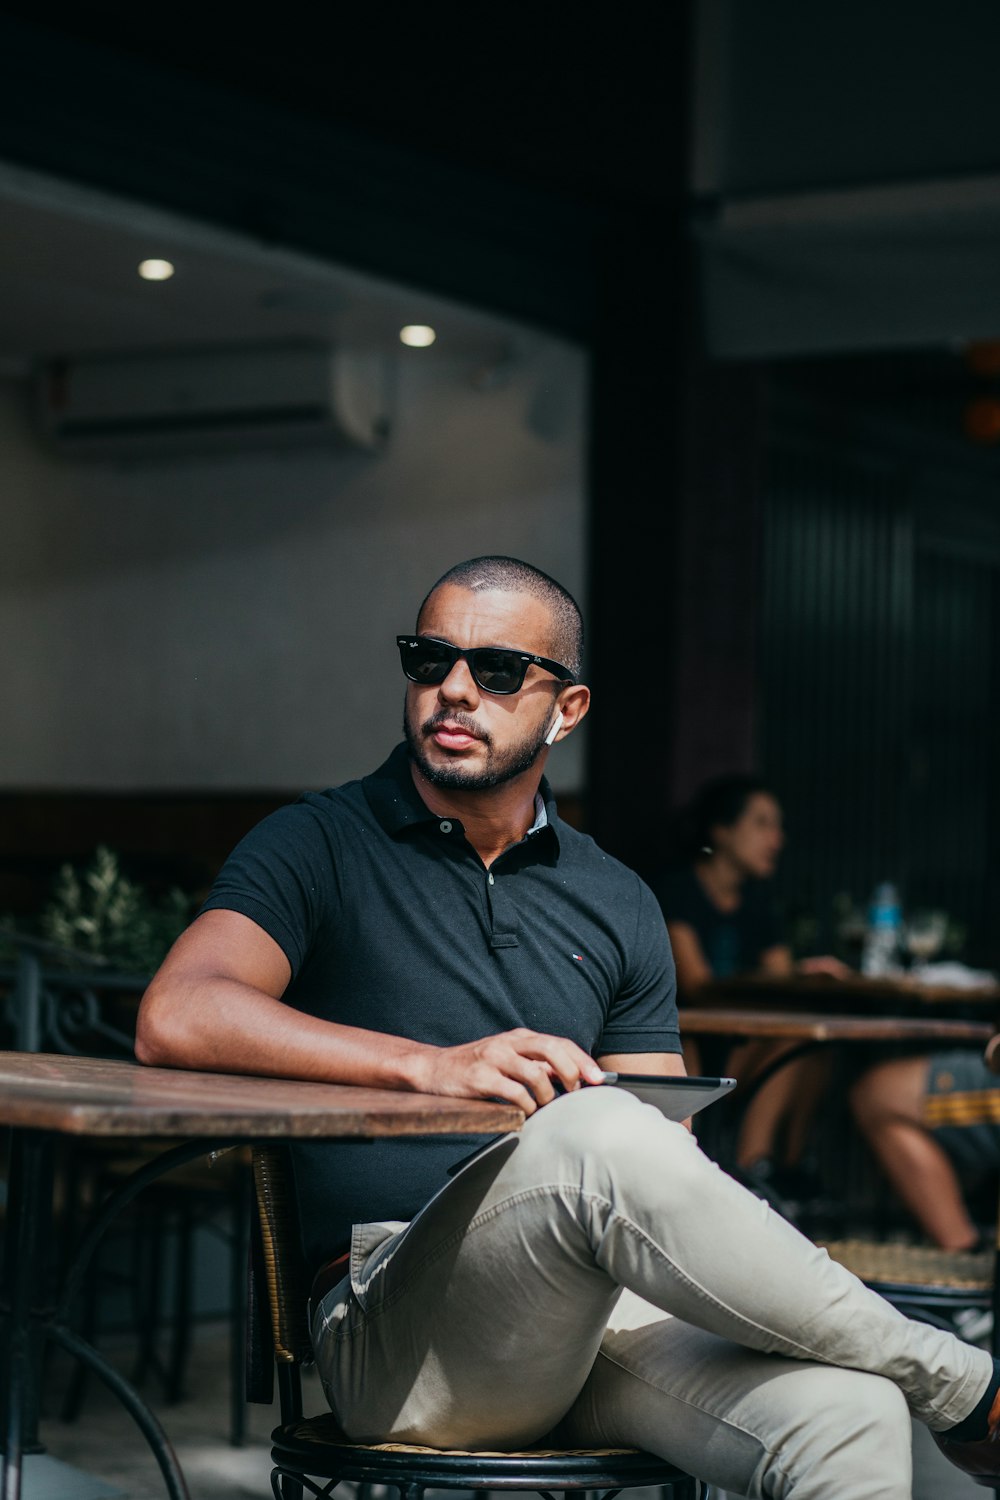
x: 643, y: 355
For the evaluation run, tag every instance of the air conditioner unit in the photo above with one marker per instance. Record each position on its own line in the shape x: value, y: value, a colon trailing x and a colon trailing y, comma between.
x: 212, y: 399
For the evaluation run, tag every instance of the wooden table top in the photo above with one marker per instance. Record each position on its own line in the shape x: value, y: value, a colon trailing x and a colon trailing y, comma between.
x: 97, y: 1097
x: 787, y: 1025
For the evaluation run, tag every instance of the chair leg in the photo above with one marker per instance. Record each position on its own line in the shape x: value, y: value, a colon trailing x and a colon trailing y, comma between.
x: 284, y: 1487
x: 180, y: 1338
x: 239, y: 1249
x: 289, y: 1392
x: 148, y: 1278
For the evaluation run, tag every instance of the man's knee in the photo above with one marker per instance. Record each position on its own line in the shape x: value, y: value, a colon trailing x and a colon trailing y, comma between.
x: 870, y: 1428
x: 604, y: 1131
x: 852, y: 1437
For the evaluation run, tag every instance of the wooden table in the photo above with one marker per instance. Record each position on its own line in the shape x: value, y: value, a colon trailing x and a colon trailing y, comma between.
x: 44, y: 1096
x: 809, y: 1031
x: 813, y: 1028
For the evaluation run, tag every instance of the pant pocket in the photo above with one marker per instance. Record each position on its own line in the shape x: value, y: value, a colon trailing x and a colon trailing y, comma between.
x: 372, y: 1246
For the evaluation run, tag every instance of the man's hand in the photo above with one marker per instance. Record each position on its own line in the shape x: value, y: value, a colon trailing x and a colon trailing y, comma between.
x: 522, y: 1067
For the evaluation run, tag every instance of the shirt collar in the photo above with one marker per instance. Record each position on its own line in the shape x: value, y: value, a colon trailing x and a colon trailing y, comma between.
x: 541, y: 816
x: 396, y: 803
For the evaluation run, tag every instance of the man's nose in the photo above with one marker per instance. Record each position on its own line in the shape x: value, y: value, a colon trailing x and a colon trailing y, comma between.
x: 459, y: 686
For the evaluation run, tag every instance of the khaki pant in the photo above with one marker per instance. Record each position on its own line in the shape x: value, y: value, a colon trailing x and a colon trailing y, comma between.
x: 599, y: 1279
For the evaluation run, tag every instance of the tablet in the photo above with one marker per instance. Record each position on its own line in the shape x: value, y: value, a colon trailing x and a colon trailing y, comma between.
x: 674, y: 1097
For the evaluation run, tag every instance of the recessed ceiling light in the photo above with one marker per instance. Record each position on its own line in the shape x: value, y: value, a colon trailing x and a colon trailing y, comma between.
x: 156, y: 270
x: 417, y: 335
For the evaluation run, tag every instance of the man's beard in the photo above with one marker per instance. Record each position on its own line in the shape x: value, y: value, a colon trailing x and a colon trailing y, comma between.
x: 499, y: 768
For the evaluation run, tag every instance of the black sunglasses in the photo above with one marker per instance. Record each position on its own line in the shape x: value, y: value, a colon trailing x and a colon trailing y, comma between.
x: 495, y: 669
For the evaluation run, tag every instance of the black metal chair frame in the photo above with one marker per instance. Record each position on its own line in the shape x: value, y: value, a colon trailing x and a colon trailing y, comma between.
x: 294, y: 1455
x: 314, y: 1455
x: 60, y: 999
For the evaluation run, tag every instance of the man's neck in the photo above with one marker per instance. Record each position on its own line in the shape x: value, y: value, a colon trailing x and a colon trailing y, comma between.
x: 493, y: 819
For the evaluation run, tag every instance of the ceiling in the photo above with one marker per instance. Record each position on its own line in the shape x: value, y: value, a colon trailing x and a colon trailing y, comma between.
x: 69, y: 286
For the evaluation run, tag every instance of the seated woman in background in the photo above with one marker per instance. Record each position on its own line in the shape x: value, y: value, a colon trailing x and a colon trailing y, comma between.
x: 722, y: 921
x: 932, y: 1122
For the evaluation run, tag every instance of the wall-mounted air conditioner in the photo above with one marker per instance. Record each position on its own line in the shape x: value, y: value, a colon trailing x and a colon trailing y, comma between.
x: 211, y: 399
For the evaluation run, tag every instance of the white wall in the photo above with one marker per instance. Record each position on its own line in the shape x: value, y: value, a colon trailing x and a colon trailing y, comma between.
x: 229, y: 622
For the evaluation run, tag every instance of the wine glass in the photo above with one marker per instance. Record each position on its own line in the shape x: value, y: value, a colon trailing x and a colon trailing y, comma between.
x: 923, y: 936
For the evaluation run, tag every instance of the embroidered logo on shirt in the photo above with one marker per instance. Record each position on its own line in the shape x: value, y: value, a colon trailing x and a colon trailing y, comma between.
x: 578, y: 957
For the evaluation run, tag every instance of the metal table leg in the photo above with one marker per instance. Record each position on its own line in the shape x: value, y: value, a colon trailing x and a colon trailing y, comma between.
x: 27, y: 1246
x: 28, y: 1317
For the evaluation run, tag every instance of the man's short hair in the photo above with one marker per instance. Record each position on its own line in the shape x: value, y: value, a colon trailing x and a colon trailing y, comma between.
x: 512, y: 576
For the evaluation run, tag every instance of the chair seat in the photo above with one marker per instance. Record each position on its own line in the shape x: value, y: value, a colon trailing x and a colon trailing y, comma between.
x: 316, y: 1445
x: 918, y: 1266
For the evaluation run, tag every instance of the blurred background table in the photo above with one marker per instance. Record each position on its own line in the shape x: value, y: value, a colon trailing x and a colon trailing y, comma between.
x: 858, y: 995
x: 849, y: 1196
x: 815, y: 1028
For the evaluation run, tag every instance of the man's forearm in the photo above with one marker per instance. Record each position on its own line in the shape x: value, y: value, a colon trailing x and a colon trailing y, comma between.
x: 223, y: 1025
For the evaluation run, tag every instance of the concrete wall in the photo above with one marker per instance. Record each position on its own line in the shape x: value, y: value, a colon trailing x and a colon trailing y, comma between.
x: 228, y: 622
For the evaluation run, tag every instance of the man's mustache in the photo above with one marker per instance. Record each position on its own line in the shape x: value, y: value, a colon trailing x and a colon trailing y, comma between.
x: 458, y: 720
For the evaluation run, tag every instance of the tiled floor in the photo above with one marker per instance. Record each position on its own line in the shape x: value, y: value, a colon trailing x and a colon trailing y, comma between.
x: 104, y: 1443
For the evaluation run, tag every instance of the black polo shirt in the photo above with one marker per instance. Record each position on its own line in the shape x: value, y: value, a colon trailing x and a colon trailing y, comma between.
x: 390, y: 921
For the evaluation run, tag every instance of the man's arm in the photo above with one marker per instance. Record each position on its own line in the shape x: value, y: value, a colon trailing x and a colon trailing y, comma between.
x: 216, y: 1005
x: 671, y: 1064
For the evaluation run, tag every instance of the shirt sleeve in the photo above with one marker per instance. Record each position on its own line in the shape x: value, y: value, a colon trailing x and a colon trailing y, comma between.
x: 643, y: 1015
x: 279, y: 876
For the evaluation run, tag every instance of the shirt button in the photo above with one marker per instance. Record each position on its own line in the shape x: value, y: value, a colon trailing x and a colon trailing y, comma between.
x: 445, y: 826
x: 490, y: 879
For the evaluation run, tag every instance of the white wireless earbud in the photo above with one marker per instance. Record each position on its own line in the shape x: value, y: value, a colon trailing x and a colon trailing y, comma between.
x: 550, y: 738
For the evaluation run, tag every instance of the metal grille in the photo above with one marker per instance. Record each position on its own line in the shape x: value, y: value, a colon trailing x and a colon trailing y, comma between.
x: 878, y: 676
x: 837, y: 611
x: 953, y: 740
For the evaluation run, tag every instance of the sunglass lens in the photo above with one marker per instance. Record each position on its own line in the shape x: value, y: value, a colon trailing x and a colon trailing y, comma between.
x: 498, y: 671
x: 427, y: 661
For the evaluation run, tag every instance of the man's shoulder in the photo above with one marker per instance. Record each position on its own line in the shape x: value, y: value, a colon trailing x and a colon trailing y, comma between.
x: 580, y: 853
x: 361, y: 791
x: 313, y: 814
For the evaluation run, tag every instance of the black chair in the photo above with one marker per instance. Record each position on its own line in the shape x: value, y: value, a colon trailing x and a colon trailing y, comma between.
x: 313, y: 1454
x: 936, y: 1286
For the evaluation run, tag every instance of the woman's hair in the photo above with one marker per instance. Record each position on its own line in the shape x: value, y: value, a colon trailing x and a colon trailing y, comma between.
x: 720, y: 801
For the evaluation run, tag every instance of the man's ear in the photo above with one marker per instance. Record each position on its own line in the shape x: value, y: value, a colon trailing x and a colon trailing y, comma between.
x: 572, y: 703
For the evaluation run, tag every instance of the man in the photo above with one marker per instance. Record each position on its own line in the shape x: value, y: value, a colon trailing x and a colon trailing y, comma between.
x: 436, y: 927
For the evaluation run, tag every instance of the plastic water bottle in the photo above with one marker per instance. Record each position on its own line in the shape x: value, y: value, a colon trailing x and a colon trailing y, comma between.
x: 881, y: 947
